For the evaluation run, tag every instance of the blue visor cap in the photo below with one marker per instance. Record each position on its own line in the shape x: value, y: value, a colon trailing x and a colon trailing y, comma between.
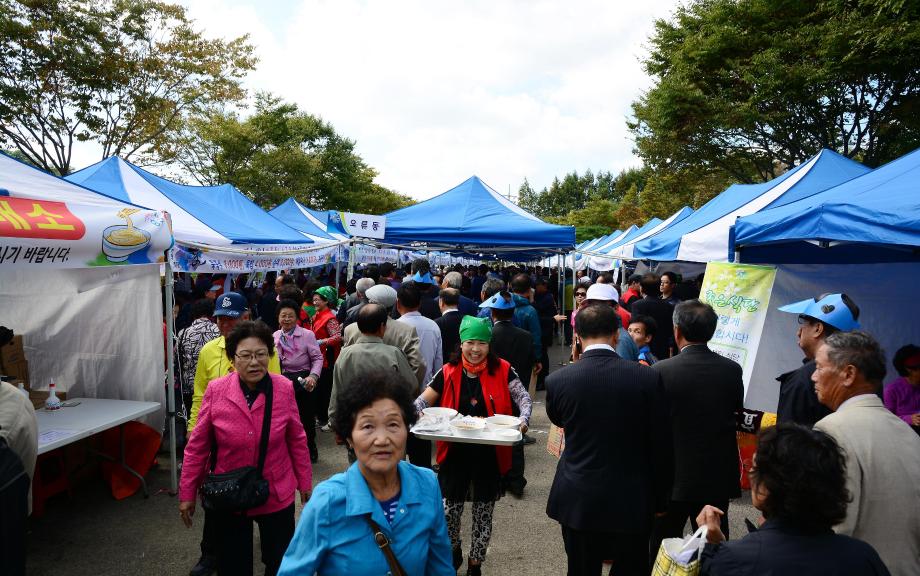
x: 420, y: 279
x: 499, y: 303
x: 831, y: 310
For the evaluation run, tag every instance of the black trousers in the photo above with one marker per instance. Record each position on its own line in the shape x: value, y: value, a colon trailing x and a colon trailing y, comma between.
x: 322, y: 392
x: 209, y: 534
x: 671, y: 525
x: 587, y: 552
x: 306, y: 407
x: 235, y: 541
x: 14, y: 510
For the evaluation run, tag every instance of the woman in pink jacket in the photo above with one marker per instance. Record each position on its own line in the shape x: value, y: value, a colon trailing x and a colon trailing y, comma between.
x: 230, y: 421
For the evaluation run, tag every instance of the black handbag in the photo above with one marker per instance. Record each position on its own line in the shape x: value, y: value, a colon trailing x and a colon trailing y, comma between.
x: 242, y: 488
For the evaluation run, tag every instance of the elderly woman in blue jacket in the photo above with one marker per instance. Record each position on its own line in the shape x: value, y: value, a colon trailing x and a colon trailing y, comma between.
x: 334, y: 535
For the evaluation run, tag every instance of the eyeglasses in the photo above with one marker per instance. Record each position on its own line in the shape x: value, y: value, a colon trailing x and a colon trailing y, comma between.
x: 582, y: 294
x: 261, y: 356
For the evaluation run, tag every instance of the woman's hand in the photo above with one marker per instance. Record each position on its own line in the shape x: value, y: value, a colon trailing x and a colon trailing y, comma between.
x: 310, y: 383
x: 523, y: 428
x: 304, y: 496
x: 711, y: 517
x: 186, y: 511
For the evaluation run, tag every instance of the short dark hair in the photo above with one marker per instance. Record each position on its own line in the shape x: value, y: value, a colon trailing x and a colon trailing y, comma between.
x: 372, y: 272
x: 596, y: 320
x: 449, y: 296
x: 901, y: 356
x: 290, y: 292
x: 520, y: 283
x: 605, y: 278
x: 651, y: 285
x: 288, y: 303
x: 370, y: 317
x: 697, y: 320
x: 249, y: 329
x: 804, y: 473
x: 365, y: 389
x: 670, y: 275
x: 386, y: 268
x: 421, y: 265
x: 202, y: 308
x: 287, y: 279
x: 651, y: 327
x: 859, y: 349
x: 409, y: 295
x: 633, y: 278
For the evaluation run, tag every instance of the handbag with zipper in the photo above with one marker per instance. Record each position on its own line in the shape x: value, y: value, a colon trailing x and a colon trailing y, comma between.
x: 242, y: 488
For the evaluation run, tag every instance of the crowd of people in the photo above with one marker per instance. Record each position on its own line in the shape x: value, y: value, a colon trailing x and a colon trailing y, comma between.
x: 648, y: 411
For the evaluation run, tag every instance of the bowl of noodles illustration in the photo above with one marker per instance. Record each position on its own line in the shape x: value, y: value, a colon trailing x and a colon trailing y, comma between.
x: 120, y: 241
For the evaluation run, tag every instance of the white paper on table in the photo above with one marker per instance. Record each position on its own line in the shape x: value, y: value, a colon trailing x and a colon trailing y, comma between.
x: 53, y: 435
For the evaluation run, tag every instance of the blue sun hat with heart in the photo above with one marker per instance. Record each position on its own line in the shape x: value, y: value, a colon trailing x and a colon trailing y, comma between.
x: 836, y: 310
x: 499, y: 302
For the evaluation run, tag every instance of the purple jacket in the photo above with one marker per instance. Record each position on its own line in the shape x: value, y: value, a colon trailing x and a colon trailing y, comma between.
x: 300, y: 352
x: 902, y: 398
x: 226, y: 417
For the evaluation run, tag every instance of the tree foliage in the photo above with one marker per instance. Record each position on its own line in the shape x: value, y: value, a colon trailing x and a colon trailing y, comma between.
x: 750, y: 88
x: 122, y: 73
x: 279, y: 152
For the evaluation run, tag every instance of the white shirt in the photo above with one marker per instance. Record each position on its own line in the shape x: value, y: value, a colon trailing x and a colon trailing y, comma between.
x: 429, y: 336
x: 599, y: 347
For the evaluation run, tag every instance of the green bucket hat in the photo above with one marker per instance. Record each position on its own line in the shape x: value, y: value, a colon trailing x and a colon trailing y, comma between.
x: 328, y: 294
x: 472, y: 328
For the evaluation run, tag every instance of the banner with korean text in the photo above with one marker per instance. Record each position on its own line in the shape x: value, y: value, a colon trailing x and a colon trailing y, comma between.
x: 250, y: 257
x: 51, y: 234
x: 740, y: 295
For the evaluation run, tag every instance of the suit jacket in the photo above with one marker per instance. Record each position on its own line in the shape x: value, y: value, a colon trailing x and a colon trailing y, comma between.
x: 369, y: 354
x: 615, y: 472
x: 662, y: 312
x: 397, y: 334
x: 449, y: 324
x: 513, y: 345
x: 883, y: 477
x: 780, y: 549
x: 704, y: 392
x: 227, y: 421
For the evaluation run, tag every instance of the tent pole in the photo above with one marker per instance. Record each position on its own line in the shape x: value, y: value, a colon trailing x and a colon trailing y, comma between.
x: 560, y: 261
x: 338, y: 267
x: 170, y: 378
x: 351, y: 261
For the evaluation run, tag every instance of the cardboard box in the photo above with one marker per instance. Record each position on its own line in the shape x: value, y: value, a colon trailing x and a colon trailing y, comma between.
x: 38, y: 397
x: 12, y: 353
x: 17, y: 371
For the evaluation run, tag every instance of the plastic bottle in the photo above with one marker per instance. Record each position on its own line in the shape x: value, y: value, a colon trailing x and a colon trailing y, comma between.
x: 53, y: 402
x: 22, y: 389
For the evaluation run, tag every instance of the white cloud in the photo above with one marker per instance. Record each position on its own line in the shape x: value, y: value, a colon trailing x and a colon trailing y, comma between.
x: 435, y: 91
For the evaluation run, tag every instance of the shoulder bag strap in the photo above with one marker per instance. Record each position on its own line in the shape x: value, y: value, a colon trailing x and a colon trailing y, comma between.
x: 266, y: 425
x: 384, y: 544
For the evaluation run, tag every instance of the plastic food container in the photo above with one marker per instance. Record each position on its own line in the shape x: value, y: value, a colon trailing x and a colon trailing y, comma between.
x: 438, y: 412
x: 503, y: 422
x: 468, y: 426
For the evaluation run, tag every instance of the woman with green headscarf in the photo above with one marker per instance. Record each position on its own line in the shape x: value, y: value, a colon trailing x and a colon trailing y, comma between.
x: 475, y: 383
x: 328, y: 333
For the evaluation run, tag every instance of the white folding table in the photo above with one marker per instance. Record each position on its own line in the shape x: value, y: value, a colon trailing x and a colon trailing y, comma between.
x: 58, y: 428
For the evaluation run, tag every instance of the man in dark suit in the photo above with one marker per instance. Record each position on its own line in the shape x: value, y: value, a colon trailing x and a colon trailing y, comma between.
x: 515, y: 346
x: 652, y: 305
x: 449, y: 322
x: 455, y: 280
x: 615, y: 472
x: 704, y: 391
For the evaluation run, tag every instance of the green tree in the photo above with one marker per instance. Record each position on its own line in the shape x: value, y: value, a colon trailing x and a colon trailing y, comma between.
x: 280, y: 152
x: 122, y: 73
x: 527, y: 197
x: 751, y: 88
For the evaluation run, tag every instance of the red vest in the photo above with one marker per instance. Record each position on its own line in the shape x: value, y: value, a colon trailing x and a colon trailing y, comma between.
x: 497, y: 398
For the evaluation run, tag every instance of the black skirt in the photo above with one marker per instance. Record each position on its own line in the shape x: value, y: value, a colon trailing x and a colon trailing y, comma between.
x: 470, y: 473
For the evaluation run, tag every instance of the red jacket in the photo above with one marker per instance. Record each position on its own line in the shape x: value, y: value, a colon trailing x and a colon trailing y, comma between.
x: 226, y: 417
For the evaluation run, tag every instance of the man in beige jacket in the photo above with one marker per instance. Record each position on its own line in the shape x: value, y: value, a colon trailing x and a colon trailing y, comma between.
x: 18, y: 451
x: 882, y: 451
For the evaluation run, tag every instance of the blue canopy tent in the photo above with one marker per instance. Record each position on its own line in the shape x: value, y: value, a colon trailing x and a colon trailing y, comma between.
x: 873, y: 218
x: 472, y: 219
x: 704, y: 235
x: 862, y: 238
x: 624, y: 249
x: 609, y: 262
x: 208, y: 215
x: 309, y: 221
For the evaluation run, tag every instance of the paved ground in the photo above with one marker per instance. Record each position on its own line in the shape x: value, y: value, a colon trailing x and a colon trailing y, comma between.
x: 91, y: 534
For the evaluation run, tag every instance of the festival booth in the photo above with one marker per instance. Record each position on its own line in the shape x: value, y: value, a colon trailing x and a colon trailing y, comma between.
x: 861, y: 237
x: 472, y: 220
x: 607, y: 261
x: 80, y: 282
x: 217, y: 228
